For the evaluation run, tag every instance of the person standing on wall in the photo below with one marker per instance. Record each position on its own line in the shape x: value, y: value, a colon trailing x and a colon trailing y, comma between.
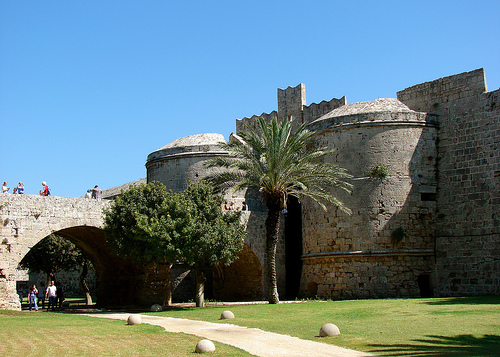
x: 51, y: 294
x: 19, y: 189
x: 45, y: 191
x: 96, y: 192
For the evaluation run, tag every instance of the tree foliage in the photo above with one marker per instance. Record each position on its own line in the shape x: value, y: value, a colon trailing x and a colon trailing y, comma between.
x: 136, y: 225
x: 53, y: 254
x: 152, y: 224
x: 213, y: 237
x: 278, y: 162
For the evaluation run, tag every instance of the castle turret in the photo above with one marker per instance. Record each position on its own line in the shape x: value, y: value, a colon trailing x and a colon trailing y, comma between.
x: 385, y: 248
x: 181, y: 161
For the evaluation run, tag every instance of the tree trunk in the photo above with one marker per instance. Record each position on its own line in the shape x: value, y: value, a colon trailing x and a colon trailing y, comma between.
x: 200, y: 287
x: 168, y: 293
x: 83, y: 283
x: 272, y: 237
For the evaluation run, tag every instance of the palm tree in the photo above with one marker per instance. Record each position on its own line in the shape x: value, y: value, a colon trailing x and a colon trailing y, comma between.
x: 278, y: 162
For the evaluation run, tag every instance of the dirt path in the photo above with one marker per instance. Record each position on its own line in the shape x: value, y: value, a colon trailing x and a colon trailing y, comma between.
x: 252, y: 340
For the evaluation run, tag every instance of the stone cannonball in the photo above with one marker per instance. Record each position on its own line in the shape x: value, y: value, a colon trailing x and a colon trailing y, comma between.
x: 134, y: 320
x: 156, y: 308
x: 205, y: 346
x: 226, y: 315
x: 329, y: 330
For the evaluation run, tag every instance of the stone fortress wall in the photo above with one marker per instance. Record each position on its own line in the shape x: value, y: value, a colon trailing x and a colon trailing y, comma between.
x: 430, y: 227
x: 359, y: 255
x: 468, y: 196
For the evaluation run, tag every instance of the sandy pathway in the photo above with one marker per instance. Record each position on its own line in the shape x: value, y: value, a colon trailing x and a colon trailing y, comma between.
x: 252, y: 340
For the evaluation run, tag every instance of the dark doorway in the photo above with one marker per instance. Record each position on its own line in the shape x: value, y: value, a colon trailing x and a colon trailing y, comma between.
x: 425, y: 286
x: 293, y: 247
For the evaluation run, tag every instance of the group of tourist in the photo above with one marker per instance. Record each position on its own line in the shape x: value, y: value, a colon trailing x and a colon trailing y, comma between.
x: 54, y: 293
x: 95, y: 193
x: 19, y: 189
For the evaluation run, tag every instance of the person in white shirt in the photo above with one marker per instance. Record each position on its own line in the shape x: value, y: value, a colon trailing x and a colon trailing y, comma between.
x: 51, y: 294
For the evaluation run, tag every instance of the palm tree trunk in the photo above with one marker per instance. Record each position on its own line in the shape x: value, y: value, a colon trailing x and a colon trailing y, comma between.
x: 272, y: 236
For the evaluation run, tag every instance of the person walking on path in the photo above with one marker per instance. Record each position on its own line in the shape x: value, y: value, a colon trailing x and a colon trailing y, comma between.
x: 51, y: 294
x: 33, y: 296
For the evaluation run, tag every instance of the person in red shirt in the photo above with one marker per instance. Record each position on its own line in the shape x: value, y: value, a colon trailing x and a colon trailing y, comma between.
x: 46, y: 190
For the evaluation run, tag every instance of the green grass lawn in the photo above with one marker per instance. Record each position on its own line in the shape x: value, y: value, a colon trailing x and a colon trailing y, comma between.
x: 441, y: 327
x: 467, y: 326
x: 25, y: 333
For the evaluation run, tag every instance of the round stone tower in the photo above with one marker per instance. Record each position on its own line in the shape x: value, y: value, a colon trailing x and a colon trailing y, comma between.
x: 180, y: 162
x: 385, y: 248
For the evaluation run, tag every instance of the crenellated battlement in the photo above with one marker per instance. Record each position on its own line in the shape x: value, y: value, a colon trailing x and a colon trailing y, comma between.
x: 292, y: 106
x: 252, y: 121
x: 316, y: 110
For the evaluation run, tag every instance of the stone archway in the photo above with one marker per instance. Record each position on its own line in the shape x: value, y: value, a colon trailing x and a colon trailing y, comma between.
x: 116, y: 278
x: 242, y: 280
x: 27, y: 219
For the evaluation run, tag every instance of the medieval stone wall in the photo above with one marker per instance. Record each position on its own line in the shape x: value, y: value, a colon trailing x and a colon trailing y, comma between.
x: 468, y: 196
x: 27, y: 219
x: 292, y: 105
x: 181, y: 162
x: 383, y: 248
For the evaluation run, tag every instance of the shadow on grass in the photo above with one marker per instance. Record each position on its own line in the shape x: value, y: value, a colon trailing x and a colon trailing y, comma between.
x: 469, y: 300
x: 443, y: 346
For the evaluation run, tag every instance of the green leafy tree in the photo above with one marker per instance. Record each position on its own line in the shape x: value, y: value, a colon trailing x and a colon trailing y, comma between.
x: 278, y: 162
x: 212, y: 237
x: 53, y: 254
x: 152, y: 224
x: 138, y: 226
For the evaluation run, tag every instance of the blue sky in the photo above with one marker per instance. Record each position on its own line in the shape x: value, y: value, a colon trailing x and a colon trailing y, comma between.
x: 88, y: 89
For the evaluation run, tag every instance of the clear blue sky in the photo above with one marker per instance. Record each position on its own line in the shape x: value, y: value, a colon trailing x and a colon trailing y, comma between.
x: 89, y: 88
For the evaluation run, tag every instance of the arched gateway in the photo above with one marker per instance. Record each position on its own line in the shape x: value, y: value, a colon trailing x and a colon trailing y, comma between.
x: 27, y: 219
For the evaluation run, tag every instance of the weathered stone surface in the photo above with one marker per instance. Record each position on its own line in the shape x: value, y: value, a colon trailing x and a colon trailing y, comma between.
x: 329, y: 330
x: 134, y: 319
x: 226, y: 315
x: 27, y: 219
x: 205, y: 346
x: 412, y: 233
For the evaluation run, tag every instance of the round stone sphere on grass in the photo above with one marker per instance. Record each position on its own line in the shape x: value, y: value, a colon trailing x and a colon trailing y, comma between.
x: 205, y: 346
x: 134, y: 320
x: 329, y: 330
x: 156, y: 308
x: 226, y: 315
